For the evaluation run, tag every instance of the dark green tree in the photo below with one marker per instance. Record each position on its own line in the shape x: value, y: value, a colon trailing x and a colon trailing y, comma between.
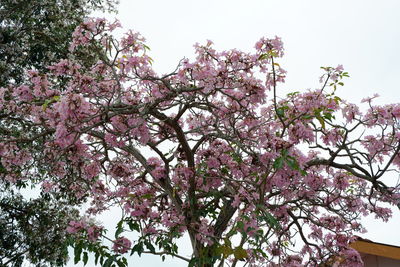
x: 33, y: 35
x: 34, y: 230
x: 36, y: 33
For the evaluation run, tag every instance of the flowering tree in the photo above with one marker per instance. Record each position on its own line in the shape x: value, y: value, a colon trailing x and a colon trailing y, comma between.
x: 208, y: 150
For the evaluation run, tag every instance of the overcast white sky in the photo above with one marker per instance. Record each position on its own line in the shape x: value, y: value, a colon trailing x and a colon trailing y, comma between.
x: 362, y: 35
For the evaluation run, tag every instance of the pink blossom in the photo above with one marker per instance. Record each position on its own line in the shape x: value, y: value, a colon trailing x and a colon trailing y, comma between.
x: 339, y: 68
x: 352, y: 258
x: 48, y: 186
x: 76, y: 226
x: 94, y: 233
x: 122, y: 245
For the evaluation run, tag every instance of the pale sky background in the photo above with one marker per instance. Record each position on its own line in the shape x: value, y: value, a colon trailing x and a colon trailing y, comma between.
x: 362, y: 35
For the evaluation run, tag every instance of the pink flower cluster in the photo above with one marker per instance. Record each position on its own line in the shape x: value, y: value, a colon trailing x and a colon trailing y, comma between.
x: 93, y: 232
x: 122, y: 245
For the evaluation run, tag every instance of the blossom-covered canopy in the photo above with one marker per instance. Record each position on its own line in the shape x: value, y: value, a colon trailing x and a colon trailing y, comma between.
x: 209, y: 150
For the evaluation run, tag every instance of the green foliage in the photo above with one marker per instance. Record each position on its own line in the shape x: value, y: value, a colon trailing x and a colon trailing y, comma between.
x: 37, y: 33
x: 265, y: 216
x: 33, y: 230
x: 102, y: 254
x: 290, y: 161
x: 33, y: 35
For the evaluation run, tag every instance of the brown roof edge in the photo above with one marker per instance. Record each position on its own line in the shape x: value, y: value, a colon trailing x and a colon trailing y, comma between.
x: 378, y: 249
x: 367, y: 240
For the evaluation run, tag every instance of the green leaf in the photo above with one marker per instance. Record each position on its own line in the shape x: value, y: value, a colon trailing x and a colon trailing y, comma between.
x: 108, y: 262
x: 321, y: 121
x: 193, y: 262
x: 337, y: 99
x: 236, y: 157
x: 149, y: 246
x: 147, y: 196
x: 293, y: 93
x: 174, y: 248
x: 120, y: 229
x: 240, y: 253
x: 278, y: 163
x: 271, y: 220
x: 134, y: 226
x: 85, y: 258
x: 265, y: 255
x: 138, y: 248
x: 263, y: 56
x: 292, y: 163
x: 224, y: 170
x: 45, y: 104
x: 227, y: 242
x: 121, y: 264
x: 77, y: 253
x: 224, y: 250
x: 328, y: 116
x: 284, y: 153
x: 96, y: 257
x: 281, y: 112
x: 240, y: 225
